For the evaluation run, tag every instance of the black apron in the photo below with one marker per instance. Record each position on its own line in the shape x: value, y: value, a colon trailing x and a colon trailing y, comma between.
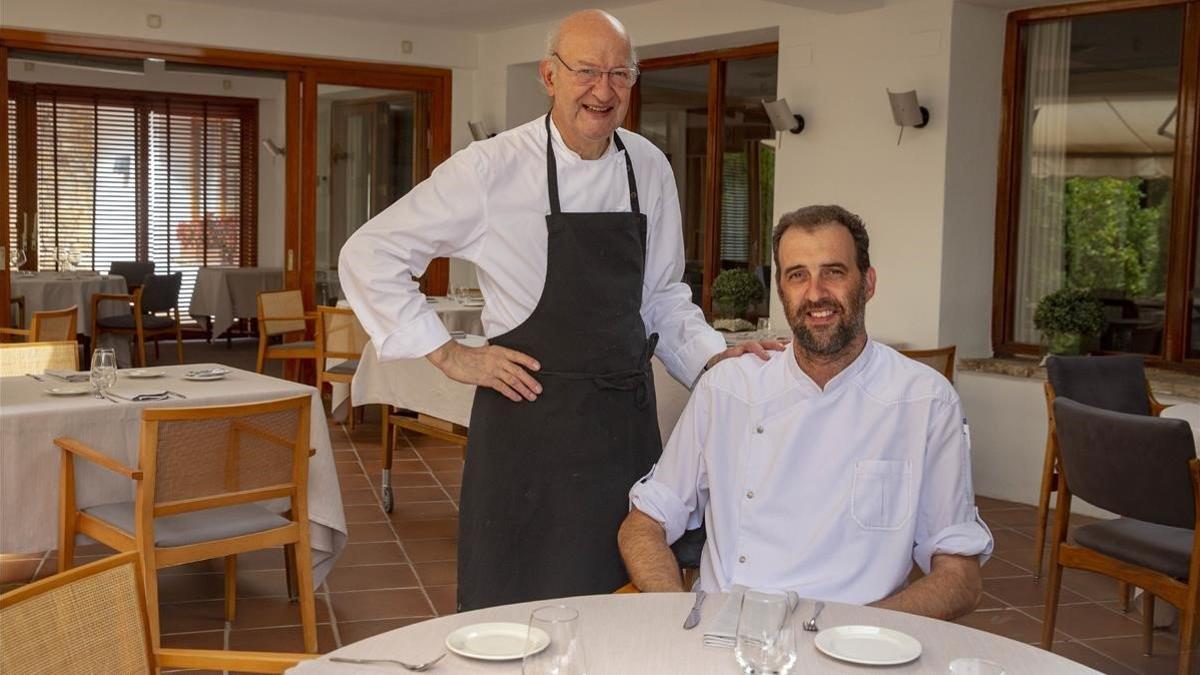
x: 546, y: 483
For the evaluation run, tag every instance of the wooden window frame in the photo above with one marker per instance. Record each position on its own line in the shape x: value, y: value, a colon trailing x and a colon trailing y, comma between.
x: 144, y: 103
x: 714, y: 156
x: 1185, y: 207
x: 301, y: 75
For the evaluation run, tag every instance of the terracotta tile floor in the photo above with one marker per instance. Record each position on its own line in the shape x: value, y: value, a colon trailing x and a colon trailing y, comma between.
x: 399, y: 569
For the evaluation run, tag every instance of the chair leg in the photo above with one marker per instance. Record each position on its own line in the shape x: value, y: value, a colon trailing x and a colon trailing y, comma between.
x: 151, y: 584
x: 308, y: 608
x: 1187, y: 641
x: 1053, y: 586
x: 179, y: 342
x: 1147, y: 623
x: 66, y: 543
x: 141, y: 350
x: 1043, y: 511
x: 289, y: 571
x: 230, y: 587
x: 1125, y: 595
x: 157, y: 354
x: 262, y: 353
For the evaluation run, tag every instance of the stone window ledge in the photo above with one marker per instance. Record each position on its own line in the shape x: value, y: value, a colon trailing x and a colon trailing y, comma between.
x: 1162, y: 382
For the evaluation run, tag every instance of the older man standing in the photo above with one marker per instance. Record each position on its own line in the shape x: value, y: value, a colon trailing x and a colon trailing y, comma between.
x: 828, y: 470
x: 575, y: 232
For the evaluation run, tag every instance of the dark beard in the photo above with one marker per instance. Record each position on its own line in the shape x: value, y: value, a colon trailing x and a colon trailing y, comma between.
x: 849, y: 326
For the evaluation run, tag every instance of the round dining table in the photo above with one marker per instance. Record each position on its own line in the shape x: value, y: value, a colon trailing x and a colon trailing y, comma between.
x: 626, y: 634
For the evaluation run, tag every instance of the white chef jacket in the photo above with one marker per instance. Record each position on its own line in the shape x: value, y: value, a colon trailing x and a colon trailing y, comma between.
x: 488, y: 204
x: 833, y: 493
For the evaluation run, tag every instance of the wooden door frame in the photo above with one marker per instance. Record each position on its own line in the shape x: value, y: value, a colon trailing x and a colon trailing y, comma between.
x: 302, y: 75
x: 716, y: 61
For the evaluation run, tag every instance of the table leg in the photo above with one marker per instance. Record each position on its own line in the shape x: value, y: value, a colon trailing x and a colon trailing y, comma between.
x: 389, y: 444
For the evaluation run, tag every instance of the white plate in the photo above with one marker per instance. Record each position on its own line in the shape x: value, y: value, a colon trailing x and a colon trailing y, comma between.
x: 206, y: 377
x: 495, y: 641
x: 142, y: 373
x: 70, y: 390
x: 868, y: 645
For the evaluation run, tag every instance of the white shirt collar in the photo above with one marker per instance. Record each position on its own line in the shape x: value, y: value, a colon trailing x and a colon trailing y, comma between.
x: 846, y: 375
x: 565, y: 152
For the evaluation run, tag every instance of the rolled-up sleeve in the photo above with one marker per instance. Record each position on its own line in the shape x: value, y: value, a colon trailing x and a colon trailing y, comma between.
x: 675, y: 492
x: 443, y: 216
x: 686, y: 341
x: 948, y: 521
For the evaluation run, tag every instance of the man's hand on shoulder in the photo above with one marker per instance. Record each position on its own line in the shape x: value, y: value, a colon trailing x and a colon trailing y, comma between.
x: 757, y: 347
x: 502, y: 369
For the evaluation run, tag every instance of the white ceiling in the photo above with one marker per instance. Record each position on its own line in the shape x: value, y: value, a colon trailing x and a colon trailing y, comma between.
x: 470, y: 15
x: 489, y: 15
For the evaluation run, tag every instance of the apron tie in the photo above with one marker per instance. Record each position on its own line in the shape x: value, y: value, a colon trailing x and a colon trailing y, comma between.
x: 634, y: 379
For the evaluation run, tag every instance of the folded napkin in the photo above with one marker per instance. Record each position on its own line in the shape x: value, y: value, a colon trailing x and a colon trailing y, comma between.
x: 70, y: 375
x: 126, y: 395
x: 205, y: 372
x: 723, y: 631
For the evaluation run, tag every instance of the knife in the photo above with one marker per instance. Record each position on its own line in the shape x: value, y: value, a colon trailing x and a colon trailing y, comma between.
x: 693, y: 616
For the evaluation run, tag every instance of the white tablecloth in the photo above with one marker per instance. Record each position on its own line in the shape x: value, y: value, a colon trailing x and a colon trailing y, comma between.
x: 1190, y: 413
x: 29, y: 461
x: 642, y: 633
x: 227, y: 293
x: 47, y: 291
x: 417, y: 385
x: 457, y: 316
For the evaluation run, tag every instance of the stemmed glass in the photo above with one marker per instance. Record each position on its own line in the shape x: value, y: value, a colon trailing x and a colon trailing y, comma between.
x: 564, y: 655
x: 104, y: 370
x: 61, y: 254
x: 766, y: 643
x: 73, y: 258
x: 16, y: 258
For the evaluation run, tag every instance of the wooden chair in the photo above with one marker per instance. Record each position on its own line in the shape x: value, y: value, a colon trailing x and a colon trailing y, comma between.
x: 201, y: 476
x: 339, y: 336
x: 1109, y: 382
x: 1144, y: 469
x: 940, y: 359
x: 18, y: 358
x: 158, y: 295
x: 93, y: 619
x: 281, y: 313
x: 55, y: 326
x: 398, y: 418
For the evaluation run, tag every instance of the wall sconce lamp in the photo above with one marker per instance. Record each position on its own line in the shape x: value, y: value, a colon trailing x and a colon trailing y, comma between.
x: 907, y: 112
x: 478, y: 131
x: 782, y: 118
x: 274, y: 149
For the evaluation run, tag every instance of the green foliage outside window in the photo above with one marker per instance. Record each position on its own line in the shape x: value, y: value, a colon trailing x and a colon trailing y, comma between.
x: 1111, y: 238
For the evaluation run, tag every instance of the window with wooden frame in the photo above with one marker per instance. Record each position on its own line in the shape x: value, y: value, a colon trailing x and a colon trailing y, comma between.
x: 110, y: 175
x: 1099, y: 159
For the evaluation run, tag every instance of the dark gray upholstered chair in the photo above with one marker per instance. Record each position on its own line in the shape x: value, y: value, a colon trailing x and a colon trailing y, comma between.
x: 158, y: 295
x: 1109, y: 382
x: 134, y: 271
x: 1144, y: 469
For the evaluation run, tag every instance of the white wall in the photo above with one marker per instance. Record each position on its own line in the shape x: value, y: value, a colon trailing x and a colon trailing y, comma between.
x: 268, y: 91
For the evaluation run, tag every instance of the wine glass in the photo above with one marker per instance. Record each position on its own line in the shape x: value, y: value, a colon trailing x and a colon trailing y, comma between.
x: 73, y: 258
x: 60, y: 255
x: 564, y: 655
x: 766, y: 643
x: 16, y: 258
x: 104, y: 370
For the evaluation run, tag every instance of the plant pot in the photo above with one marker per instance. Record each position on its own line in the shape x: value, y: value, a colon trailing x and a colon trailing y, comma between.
x: 1065, y: 344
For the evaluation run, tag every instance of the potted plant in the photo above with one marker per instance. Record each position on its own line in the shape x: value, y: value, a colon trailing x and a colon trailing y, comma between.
x: 1066, y: 317
x: 733, y: 292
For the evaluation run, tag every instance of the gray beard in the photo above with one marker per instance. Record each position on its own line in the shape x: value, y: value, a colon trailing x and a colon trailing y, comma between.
x: 843, y: 334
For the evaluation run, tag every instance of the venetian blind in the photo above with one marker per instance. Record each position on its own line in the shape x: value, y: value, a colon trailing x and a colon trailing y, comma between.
x: 14, y: 234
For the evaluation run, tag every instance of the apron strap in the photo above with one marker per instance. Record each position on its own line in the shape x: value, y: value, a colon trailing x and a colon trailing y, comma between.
x: 552, y: 173
x: 634, y: 379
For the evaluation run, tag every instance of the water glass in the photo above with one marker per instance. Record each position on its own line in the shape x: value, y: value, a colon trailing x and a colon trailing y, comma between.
x: 766, y: 640
x: 16, y: 258
x: 104, y: 369
x: 564, y: 655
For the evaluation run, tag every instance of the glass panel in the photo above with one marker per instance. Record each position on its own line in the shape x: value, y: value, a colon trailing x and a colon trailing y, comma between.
x: 748, y: 172
x: 674, y: 116
x: 367, y: 158
x: 1101, y: 100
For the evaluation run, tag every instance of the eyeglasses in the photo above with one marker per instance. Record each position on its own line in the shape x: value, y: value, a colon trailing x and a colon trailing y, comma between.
x: 621, y: 78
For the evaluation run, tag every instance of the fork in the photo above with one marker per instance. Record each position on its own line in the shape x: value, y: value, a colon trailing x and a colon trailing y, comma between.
x: 418, y: 668
x: 811, y: 624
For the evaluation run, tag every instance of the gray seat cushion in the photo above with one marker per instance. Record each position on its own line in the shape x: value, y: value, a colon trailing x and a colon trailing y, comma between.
x: 344, y: 368
x: 149, y: 322
x: 287, y: 346
x: 195, y: 526
x: 1165, y: 549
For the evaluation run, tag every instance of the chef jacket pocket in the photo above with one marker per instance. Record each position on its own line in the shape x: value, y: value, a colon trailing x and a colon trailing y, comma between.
x: 881, y: 498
